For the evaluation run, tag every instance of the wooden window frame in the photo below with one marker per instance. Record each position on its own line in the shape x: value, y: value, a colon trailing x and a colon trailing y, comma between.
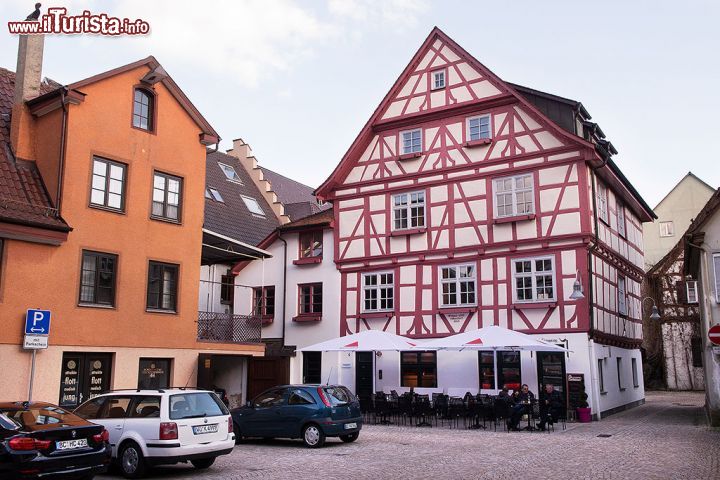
x: 468, y: 128
x: 407, y: 207
x: 106, y: 187
x: 378, y: 288
x: 694, y: 298
x: 262, y: 303
x: 152, y: 109
x: 411, y: 151
x: 433, y: 79
x: 313, y: 304
x: 622, y: 223
x: 622, y: 297
x: 166, y: 192
x: 113, y: 289
x: 514, y: 192
x: 602, y: 196
x: 420, y: 368
x: 663, y: 229
x: 314, y: 235
x: 161, y: 290
x: 457, y: 282
x: 533, y: 274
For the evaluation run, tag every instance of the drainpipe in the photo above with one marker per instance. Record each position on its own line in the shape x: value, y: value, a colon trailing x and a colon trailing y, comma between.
x: 63, y: 147
x: 284, y: 295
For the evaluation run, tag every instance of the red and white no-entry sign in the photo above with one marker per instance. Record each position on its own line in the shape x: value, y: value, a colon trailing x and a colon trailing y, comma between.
x: 714, y: 334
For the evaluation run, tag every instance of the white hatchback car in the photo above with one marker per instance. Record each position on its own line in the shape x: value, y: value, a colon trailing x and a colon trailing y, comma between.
x: 159, y: 427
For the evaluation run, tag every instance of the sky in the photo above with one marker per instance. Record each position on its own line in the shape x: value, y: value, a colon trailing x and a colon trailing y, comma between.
x: 297, y: 80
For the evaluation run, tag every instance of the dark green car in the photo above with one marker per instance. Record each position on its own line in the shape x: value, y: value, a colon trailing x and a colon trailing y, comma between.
x: 310, y: 412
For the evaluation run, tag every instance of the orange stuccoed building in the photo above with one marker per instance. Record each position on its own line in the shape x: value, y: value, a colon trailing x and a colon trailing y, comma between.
x: 101, y: 212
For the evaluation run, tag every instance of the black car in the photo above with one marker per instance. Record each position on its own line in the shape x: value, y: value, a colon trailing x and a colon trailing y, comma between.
x: 41, y: 440
x: 310, y: 412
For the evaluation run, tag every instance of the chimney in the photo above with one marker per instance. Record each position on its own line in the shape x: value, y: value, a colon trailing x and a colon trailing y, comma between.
x: 28, y: 77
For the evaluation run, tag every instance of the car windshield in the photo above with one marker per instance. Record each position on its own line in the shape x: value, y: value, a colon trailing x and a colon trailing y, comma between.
x: 41, y: 417
x: 8, y: 423
x: 338, y: 395
x: 196, y: 405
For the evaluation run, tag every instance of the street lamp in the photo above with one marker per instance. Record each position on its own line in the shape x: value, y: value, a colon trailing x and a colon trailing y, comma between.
x: 577, y: 293
x: 654, y: 312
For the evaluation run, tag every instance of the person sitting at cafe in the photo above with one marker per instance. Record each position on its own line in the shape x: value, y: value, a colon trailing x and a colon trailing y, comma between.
x: 551, y: 406
x: 525, y: 399
x: 504, y: 395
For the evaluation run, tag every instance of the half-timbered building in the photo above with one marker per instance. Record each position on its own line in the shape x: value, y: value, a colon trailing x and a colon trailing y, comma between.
x: 467, y: 201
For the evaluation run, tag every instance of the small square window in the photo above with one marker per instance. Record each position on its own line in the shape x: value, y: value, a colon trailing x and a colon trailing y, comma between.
x: 412, y: 141
x: 667, y: 229
x: 230, y: 173
x: 253, y: 205
x: 438, y: 79
x: 478, y: 128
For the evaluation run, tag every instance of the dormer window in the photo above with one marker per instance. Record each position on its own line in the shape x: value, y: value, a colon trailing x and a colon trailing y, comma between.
x: 253, y: 206
x: 438, y: 79
x: 143, y: 110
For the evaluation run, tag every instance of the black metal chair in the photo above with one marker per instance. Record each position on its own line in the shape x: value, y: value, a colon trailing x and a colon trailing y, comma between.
x: 422, y: 410
x: 501, y: 412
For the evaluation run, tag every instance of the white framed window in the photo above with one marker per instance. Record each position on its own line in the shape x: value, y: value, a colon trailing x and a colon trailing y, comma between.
x: 378, y: 292
x: 408, y: 210
x: 230, y: 173
x: 514, y: 196
x: 438, y: 79
x: 716, y: 268
x: 458, y: 285
x: 478, y: 128
x: 534, y: 279
x: 602, y: 202
x: 621, y: 218
x: 667, y: 229
x: 411, y: 141
x: 692, y: 292
x: 253, y: 205
x: 622, y: 296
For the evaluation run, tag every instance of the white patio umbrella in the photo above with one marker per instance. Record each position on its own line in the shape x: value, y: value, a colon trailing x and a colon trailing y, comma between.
x: 366, y: 341
x: 490, y: 338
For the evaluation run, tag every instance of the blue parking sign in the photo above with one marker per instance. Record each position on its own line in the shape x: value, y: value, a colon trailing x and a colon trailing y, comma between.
x: 37, y: 322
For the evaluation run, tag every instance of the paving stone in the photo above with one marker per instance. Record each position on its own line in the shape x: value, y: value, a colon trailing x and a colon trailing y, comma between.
x: 666, y: 438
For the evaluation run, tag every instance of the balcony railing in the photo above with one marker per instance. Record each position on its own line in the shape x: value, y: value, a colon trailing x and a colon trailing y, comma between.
x: 227, y: 328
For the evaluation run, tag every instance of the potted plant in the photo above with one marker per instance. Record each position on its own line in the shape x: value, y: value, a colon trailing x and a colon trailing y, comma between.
x: 583, y: 409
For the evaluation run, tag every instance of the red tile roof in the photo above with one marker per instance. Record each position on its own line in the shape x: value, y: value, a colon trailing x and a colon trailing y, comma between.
x: 23, y: 197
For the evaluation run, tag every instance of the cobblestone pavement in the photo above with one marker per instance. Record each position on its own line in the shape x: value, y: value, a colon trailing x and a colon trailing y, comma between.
x: 664, y: 439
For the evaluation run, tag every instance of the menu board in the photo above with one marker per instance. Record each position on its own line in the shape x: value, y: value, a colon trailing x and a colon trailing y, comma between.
x: 70, y: 384
x: 575, y: 389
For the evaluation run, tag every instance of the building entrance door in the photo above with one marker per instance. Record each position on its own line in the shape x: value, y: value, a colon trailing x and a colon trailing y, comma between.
x: 83, y: 376
x: 364, y: 378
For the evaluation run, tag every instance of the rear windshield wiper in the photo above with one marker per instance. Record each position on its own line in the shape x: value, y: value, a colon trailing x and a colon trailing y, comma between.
x: 199, y: 415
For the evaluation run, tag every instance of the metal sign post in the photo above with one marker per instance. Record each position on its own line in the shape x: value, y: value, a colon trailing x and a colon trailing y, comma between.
x: 37, y: 331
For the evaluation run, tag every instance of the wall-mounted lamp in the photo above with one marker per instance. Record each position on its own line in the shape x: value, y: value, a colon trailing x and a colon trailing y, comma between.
x: 654, y: 312
x: 577, y: 293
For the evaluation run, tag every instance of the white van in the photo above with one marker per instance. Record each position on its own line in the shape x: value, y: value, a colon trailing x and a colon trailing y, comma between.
x: 159, y: 427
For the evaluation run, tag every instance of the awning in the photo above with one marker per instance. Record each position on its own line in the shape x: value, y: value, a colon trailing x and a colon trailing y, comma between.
x: 366, y: 341
x: 490, y: 338
x: 217, y: 248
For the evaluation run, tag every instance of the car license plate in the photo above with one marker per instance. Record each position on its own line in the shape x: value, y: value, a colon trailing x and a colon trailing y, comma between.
x: 200, y: 429
x: 349, y: 426
x: 71, y: 444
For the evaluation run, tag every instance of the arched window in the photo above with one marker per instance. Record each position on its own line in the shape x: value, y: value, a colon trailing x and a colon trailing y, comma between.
x: 143, y: 109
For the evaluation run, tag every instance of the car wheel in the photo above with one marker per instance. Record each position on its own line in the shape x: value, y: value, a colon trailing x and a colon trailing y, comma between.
x: 350, y: 437
x: 132, y: 462
x: 313, y: 436
x: 203, y: 463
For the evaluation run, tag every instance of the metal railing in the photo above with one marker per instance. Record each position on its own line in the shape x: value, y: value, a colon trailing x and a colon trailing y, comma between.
x: 228, y: 328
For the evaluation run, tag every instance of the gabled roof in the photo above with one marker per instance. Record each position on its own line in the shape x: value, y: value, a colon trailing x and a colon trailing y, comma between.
x: 705, y: 214
x: 209, y: 136
x: 23, y: 197
x: 508, y: 90
x: 688, y: 176
x: 321, y: 219
x: 232, y: 218
x: 365, y: 134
